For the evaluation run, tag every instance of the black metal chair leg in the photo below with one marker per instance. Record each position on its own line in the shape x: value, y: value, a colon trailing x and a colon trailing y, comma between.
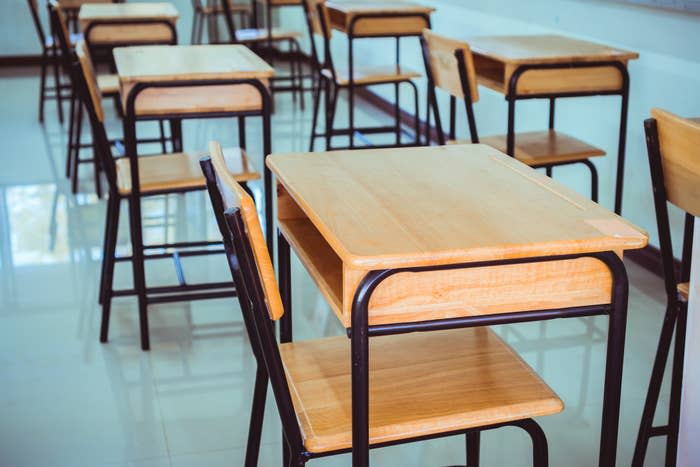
x: 108, y: 261
x: 161, y: 129
x: 329, y: 119
x: 473, y: 440
x: 594, y: 179
x: 76, y: 152
x: 57, y: 80
x: 71, y: 133
x: 139, y: 268
x: 314, y: 120
x: 655, y: 381
x: 193, y: 36
x: 256, y: 417
x: 676, y: 387
x: 42, y: 84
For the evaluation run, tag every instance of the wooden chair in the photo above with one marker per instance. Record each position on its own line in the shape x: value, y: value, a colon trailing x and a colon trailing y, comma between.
x: 50, y: 55
x: 209, y: 14
x: 423, y: 385
x: 331, y: 80
x: 134, y: 178
x: 673, y: 144
x: 268, y: 37
x: 449, y: 66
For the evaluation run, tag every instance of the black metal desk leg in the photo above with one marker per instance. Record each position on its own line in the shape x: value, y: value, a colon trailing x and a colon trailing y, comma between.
x: 267, y: 150
x: 285, y: 284
x: 620, y: 176
x: 614, y: 359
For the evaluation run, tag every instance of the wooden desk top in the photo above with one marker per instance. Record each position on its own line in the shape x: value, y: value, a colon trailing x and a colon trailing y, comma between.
x: 545, y: 49
x: 443, y: 205
x: 126, y: 11
x: 355, y: 7
x: 156, y: 63
x: 76, y: 4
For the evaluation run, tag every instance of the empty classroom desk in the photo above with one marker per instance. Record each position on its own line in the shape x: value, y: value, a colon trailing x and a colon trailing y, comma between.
x: 393, y: 251
x: 551, y: 67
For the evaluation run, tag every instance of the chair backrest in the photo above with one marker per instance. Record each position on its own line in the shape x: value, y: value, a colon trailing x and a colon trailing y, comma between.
x: 88, y: 70
x: 673, y: 145
x: 34, y: 10
x: 228, y: 19
x: 255, y: 285
x: 315, y: 10
x: 679, y: 143
x: 62, y: 34
x: 235, y: 197
x: 445, y: 67
x: 449, y: 65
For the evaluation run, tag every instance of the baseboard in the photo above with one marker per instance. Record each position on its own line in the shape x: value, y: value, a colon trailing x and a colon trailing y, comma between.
x: 19, y: 60
x: 648, y: 257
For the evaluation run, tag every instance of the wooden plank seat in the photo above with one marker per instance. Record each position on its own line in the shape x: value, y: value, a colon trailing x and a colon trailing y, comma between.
x: 235, y: 8
x: 545, y: 147
x: 259, y: 35
x: 372, y: 75
x: 167, y: 172
x: 684, y: 290
x: 108, y: 83
x: 421, y: 384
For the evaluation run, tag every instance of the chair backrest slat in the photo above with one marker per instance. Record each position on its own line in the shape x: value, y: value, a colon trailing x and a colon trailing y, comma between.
x: 679, y: 144
x: 314, y: 9
x: 88, y: 70
x: 445, y: 68
x: 236, y: 197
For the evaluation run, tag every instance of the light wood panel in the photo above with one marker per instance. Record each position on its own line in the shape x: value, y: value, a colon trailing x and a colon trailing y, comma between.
x: 137, y: 33
x: 497, y: 57
x: 376, y: 209
x: 679, y: 139
x: 180, y: 171
x: 76, y: 4
x: 235, y: 195
x: 341, y: 14
x: 545, y: 147
x: 88, y: 70
x: 421, y: 384
x: 373, y: 74
x: 108, y: 83
x: 444, y: 67
x: 259, y: 35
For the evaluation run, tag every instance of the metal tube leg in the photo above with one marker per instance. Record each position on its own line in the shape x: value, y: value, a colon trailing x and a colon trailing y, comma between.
x: 57, y: 82
x: 676, y: 386
x: 71, y: 132
x: 397, y: 114
x: 42, y: 84
x: 314, y: 119
x: 267, y: 150
x: 359, y: 348
x: 594, y: 180
x: 540, y: 451
x: 285, y: 277
x: 161, y: 128
x: 620, y: 176
x: 329, y: 119
x: 613, y: 362
x: 241, y: 133
x: 138, y: 267
x: 656, y: 379
x: 76, y: 154
x: 257, y: 415
x: 473, y: 448
x: 108, y: 260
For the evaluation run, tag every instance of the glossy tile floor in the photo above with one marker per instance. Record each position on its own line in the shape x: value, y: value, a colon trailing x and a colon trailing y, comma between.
x: 66, y: 400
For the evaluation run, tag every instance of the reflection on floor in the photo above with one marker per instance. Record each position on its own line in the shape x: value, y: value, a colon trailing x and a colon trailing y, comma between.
x: 66, y: 400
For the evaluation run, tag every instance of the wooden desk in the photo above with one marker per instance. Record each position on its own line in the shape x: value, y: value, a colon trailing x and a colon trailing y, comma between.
x: 114, y: 24
x: 194, y: 81
x: 358, y: 18
x: 393, y: 251
x: 550, y: 66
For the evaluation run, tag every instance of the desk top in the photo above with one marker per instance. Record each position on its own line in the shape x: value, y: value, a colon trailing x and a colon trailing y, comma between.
x: 121, y: 11
x: 545, y: 49
x: 376, y: 6
x: 388, y: 208
x: 156, y: 63
x: 76, y: 4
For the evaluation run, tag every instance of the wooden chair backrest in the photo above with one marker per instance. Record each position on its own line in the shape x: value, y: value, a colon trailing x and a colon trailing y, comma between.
x: 81, y: 50
x: 679, y: 144
x: 235, y: 196
x: 314, y: 10
x: 444, y: 66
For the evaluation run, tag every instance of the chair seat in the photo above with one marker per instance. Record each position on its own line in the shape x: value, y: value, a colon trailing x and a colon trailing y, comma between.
x: 74, y: 39
x: 259, y: 35
x: 178, y: 171
x: 108, y: 83
x: 684, y: 290
x: 236, y: 8
x: 372, y: 75
x: 538, y: 148
x: 420, y: 384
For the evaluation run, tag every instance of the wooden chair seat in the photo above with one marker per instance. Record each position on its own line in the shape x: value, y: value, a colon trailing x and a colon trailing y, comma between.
x: 108, y: 83
x: 684, y: 290
x: 236, y: 8
x: 196, y: 99
x: 166, y: 172
x: 372, y: 75
x: 538, y: 148
x: 259, y: 35
x: 420, y: 384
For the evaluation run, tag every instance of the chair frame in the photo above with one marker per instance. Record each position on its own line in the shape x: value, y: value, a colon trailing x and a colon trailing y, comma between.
x: 331, y: 88
x: 50, y: 55
x: 675, y: 316
x: 295, y: 77
x: 252, y: 300
x: 433, y: 108
x: 200, y: 17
